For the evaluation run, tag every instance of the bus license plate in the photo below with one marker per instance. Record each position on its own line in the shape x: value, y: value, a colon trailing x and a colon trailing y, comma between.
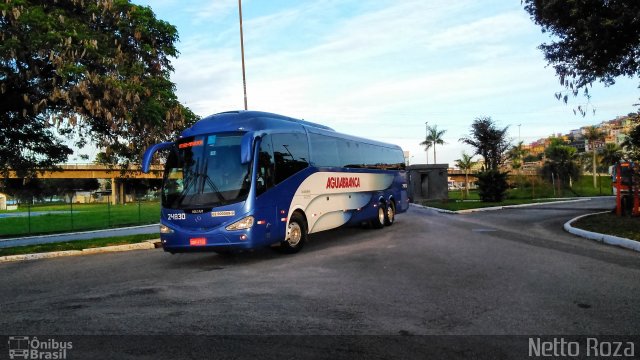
x: 197, y: 241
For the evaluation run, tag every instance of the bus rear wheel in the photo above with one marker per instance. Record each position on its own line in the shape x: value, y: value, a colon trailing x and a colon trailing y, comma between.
x: 390, y: 215
x: 296, y: 235
x: 379, y: 220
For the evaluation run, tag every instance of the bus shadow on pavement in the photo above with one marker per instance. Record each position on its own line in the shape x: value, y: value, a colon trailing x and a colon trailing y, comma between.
x: 317, y: 242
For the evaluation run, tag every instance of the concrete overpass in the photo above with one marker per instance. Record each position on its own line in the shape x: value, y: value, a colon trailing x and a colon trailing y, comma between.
x: 95, y: 171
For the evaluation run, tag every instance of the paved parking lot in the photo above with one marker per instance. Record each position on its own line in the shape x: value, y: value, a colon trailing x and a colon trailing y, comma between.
x: 512, y: 272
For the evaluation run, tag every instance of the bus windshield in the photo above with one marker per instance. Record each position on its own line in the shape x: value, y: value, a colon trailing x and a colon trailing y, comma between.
x: 205, y: 171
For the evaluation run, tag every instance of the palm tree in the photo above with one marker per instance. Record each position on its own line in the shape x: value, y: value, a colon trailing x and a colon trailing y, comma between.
x: 561, y: 162
x: 427, y: 145
x: 593, y: 134
x: 434, y: 137
x: 491, y: 143
x: 611, y: 154
x: 466, y: 163
x: 516, y: 153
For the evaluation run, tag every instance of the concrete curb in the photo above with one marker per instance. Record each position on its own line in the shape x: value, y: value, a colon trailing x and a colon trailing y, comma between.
x: 444, y: 211
x: 607, y: 239
x: 78, y: 232
x: 494, y: 208
x: 145, y: 245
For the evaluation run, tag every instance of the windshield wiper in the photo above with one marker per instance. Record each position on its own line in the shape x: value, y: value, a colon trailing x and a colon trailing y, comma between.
x: 210, y: 182
x: 192, y: 176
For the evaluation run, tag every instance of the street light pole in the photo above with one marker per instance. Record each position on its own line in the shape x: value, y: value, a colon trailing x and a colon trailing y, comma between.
x: 426, y: 125
x: 519, y: 132
x: 244, y: 78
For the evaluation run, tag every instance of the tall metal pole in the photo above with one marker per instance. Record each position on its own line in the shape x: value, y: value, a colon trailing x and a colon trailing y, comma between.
x: 244, y: 78
x: 519, y: 132
x: 426, y: 124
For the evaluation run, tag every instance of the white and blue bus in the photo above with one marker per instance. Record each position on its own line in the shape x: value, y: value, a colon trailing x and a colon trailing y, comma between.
x: 247, y: 179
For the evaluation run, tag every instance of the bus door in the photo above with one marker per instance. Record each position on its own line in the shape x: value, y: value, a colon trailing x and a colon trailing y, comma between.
x: 266, y: 198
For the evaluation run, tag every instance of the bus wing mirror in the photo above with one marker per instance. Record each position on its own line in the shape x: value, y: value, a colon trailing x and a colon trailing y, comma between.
x: 148, y: 155
x: 246, y: 146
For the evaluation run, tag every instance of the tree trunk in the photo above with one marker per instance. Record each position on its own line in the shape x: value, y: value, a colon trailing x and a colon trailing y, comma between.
x: 434, y: 153
x: 466, y: 182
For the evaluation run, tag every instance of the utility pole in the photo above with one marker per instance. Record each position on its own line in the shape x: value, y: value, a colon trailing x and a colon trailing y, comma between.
x: 244, y: 78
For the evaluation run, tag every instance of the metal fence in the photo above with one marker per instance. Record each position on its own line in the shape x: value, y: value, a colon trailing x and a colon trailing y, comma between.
x: 69, y: 215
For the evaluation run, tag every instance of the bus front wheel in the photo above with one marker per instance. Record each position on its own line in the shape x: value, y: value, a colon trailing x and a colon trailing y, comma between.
x: 296, y: 235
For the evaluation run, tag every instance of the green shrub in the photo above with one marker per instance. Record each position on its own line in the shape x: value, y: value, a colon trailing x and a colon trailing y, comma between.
x: 492, y: 185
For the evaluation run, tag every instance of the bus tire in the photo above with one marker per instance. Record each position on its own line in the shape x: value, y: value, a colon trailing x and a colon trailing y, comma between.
x: 379, y: 220
x: 296, y: 235
x: 390, y: 215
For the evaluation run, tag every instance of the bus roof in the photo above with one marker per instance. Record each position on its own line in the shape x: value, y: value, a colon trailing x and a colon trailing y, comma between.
x: 247, y: 121
x: 243, y: 120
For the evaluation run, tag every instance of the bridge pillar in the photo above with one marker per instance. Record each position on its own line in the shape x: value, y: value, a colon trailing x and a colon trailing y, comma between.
x: 114, y: 191
x: 121, y: 197
x: 117, y: 191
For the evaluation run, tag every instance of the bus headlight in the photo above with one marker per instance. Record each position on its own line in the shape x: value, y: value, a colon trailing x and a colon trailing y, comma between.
x: 245, y: 223
x: 164, y: 229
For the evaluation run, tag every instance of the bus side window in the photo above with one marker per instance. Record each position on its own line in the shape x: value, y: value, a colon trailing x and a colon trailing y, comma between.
x: 291, y: 154
x: 325, y: 150
x: 264, y: 178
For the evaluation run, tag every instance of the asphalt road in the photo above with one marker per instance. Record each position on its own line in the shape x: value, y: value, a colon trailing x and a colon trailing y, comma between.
x: 507, y: 272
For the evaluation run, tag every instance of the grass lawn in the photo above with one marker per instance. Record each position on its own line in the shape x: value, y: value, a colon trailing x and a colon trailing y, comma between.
x: 78, y: 244
x: 622, y: 226
x: 526, y: 190
x: 465, y: 205
x: 83, y: 217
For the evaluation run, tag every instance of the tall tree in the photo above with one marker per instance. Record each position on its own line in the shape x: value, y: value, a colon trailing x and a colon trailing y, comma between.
x: 427, y: 145
x: 611, y: 154
x: 631, y: 145
x: 594, y: 40
x: 492, y: 144
x: 594, y: 135
x: 466, y: 163
x: 561, y: 163
x: 489, y: 142
x: 99, y: 69
x: 434, y: 137
x: 516, y: 153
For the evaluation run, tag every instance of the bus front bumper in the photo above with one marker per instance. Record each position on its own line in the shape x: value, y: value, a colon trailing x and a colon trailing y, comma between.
x: 182, y: 240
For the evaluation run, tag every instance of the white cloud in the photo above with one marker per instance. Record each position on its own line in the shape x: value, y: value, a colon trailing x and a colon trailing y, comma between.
x: 211, y: 11
x: 381, y: 72
x: 491, y: 30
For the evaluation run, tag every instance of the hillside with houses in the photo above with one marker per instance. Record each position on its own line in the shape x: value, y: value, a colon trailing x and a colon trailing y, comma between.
x: 612, y: 132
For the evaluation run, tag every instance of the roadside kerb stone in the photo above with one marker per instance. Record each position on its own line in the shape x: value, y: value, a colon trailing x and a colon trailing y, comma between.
x: 53, y: 254
x: 604, y: 238
x: 149, y: 244
x: 78, y: 233
x: 494, y: 208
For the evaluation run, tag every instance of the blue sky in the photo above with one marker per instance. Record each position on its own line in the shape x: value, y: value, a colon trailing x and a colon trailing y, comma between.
x: 380, y: 69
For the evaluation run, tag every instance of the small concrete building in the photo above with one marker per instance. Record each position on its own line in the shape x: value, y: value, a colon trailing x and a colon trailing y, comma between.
x: 428, y: 182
